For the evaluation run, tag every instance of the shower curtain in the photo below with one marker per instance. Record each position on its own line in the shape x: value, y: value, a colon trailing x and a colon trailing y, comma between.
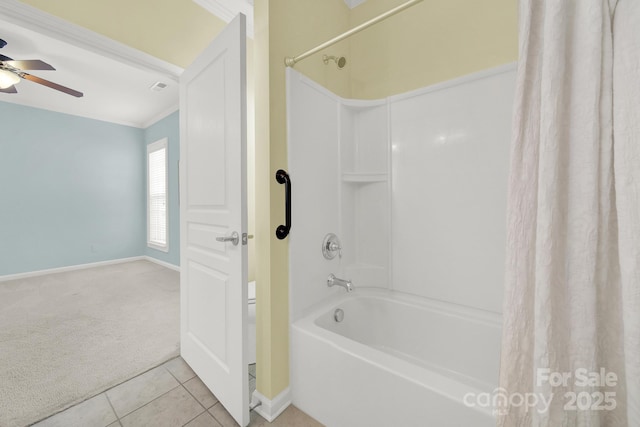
x: 571, y: 338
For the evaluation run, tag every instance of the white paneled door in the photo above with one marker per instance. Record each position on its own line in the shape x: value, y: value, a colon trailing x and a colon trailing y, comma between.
x: 213, y: 193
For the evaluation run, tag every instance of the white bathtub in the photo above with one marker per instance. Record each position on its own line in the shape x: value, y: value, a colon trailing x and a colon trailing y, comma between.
x: 394, y: 361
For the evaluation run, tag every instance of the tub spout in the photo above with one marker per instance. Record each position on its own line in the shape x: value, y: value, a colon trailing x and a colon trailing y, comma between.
x: 335, y: 281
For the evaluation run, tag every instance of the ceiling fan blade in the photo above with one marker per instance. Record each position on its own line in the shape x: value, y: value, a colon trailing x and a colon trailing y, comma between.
x: 30, y: 64
x: 52, y: 85
x: 10, y: 89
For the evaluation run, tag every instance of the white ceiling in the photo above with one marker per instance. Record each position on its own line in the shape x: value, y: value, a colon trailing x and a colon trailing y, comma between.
x: 114, y: 91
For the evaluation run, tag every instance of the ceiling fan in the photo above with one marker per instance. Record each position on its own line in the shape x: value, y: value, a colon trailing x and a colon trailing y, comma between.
x: 12, y: 71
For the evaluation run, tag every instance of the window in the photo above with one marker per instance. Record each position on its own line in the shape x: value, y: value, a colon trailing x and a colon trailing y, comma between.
x: 157, y: 195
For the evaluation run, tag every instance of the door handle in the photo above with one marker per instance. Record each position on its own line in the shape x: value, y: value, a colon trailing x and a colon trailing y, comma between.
x: 234, y: 238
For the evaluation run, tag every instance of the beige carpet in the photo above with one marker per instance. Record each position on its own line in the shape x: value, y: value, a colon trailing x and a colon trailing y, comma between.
x: 68, y: 336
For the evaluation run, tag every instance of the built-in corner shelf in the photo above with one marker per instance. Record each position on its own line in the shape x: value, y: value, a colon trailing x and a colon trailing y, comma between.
x: 361, y: 177
x: 362, y: 104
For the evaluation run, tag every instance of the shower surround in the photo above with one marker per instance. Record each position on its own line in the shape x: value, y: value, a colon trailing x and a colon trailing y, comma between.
x: 415, y: 188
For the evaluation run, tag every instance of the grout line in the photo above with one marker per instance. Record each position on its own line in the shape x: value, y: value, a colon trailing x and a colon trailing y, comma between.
x: 170, y: 373
x: 107, y: 390
x: 191, y: 394
x: 214, y: 417
x: 124, y: 382
x: 140, y: 407
x: 205, y: 412
x: 112, y: 408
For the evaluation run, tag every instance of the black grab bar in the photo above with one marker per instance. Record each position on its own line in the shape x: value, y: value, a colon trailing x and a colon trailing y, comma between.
x: 283, y: 178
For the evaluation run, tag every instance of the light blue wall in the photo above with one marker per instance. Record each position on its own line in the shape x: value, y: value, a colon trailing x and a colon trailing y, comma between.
x: 72, y: 190
x: 169, y: 128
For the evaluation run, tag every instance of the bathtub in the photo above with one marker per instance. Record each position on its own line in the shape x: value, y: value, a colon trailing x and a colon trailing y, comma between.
x: 394, y: 360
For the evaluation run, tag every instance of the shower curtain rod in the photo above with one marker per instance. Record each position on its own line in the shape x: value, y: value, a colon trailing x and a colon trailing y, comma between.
x: 291, y: 61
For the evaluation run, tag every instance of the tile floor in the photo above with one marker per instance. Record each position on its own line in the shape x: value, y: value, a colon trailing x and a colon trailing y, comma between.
x: 170, y: 395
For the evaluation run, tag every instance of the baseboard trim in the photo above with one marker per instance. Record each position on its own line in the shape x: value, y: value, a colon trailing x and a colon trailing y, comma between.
x: 68, y: 268
x: 162, y: 263
x: 36, y: 273
x: 270, y: 409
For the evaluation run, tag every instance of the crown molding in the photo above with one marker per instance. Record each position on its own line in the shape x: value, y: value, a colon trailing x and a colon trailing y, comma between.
x: 228, y: 9
x: 162, y: 115
x: 353, y: 3
x: 44, y: 23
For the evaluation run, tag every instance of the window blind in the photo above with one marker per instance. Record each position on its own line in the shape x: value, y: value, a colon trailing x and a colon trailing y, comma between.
x: 157, y: 197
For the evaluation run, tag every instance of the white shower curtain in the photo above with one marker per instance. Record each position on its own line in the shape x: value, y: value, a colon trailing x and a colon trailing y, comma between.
x: 572, y: 302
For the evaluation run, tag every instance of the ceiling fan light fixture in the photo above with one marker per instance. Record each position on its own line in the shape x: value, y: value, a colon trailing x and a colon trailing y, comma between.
x: 8, y: 79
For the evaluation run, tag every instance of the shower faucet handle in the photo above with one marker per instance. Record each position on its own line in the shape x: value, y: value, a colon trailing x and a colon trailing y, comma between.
x: 331, y: 246
x: 334, y: 246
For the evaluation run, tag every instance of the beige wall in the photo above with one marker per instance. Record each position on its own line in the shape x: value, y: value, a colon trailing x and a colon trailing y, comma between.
x: 282, y: 28
x: 431, y: 42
